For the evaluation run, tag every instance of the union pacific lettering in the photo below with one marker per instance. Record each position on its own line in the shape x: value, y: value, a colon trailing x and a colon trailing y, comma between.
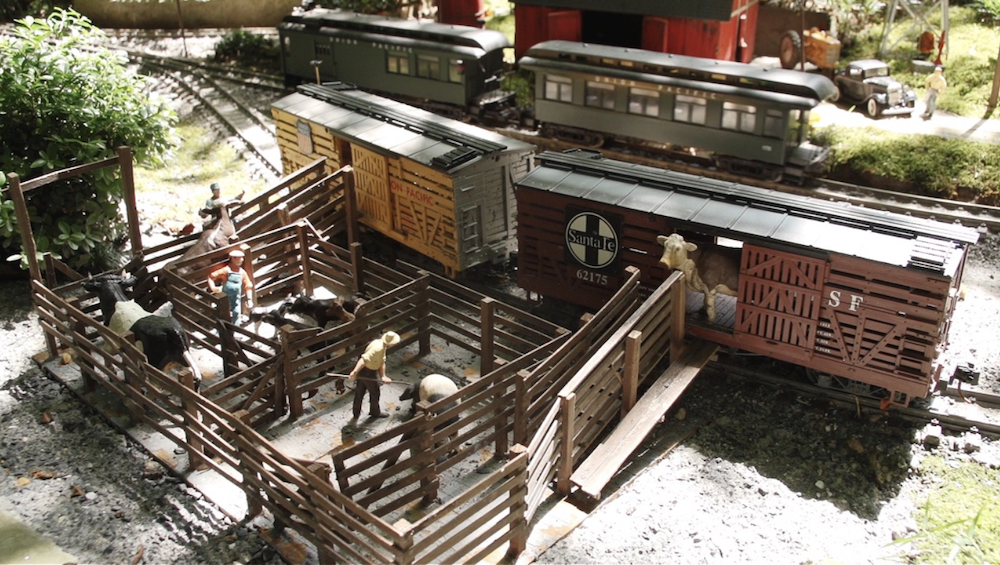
x: 410, y: 192
x: 659, y: 87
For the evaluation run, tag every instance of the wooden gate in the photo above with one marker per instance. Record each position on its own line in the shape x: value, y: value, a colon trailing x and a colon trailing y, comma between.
x: 371, y: 183
x: 779, y: 299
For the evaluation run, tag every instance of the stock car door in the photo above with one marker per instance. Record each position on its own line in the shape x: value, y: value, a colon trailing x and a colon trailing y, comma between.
x: 779, y: 300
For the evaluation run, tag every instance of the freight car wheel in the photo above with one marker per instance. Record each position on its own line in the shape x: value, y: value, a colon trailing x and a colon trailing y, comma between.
x: 790, y: 49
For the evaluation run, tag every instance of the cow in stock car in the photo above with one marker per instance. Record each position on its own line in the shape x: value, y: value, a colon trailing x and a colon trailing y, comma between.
x: 711, y: 270
x: 159, y: 335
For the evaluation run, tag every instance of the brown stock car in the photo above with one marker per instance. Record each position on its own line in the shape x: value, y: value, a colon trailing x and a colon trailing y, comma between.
x: 862, y: 298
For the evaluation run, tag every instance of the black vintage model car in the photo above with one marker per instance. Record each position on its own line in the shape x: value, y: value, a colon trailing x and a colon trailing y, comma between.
x: 866, y: 83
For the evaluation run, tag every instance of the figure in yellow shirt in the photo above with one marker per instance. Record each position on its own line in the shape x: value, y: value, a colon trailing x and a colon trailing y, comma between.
x: 935, y: 85
x: 371, y: 370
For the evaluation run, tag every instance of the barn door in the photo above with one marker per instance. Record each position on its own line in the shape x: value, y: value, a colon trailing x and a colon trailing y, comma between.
x: 779, y: 297
x: 371, y: 184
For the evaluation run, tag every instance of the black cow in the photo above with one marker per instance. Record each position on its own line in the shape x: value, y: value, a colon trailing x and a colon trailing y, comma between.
x: 161, y: 336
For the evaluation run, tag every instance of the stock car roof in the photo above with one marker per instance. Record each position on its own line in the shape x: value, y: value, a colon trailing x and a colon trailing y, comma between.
x: 671, y: 66
x: 486, y: 39
x: 749, y: 213
x: 377, y: 122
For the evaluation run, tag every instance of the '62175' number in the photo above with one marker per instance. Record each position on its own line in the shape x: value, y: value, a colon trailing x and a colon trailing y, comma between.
x: 592, y: 277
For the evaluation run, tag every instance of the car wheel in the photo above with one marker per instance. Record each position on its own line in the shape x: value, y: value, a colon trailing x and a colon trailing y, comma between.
x: 872, y: 108
x: 789, y: 49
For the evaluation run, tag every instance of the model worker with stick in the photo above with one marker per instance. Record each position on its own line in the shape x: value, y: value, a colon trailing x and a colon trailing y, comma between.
x: 370, y: 368
x: 235, y: 282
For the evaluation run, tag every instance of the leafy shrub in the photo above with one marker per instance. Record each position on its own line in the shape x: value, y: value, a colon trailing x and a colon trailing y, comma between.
x: 248, y: 49
x: 66, y: 101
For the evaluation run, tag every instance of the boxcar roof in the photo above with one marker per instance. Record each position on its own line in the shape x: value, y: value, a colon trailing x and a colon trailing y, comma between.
x: 625, y: 62
x: 316, y: 18
x: 743, y: 212
x: 377, y: 122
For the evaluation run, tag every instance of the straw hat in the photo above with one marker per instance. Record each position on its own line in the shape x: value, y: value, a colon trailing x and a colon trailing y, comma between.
x: 390, y: 338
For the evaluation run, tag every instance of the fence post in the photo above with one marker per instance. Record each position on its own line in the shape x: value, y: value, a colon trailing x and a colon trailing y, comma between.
x: 191, y: 416
x: 678, y: 295
x: 521, y: 406
x: 630, y: 372
x: 356, y: 266
x: 291, y: 383
x: 518, y: 456
x: 307, y: 282
x: 404, y: 548
x: 487, y: 308
x: 567, y: 414
x: 425, y: 442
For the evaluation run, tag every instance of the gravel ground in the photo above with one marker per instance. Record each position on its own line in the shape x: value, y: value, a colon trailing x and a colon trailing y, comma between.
x: 738, y: 473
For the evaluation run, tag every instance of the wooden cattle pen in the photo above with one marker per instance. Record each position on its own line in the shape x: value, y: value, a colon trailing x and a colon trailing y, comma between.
x: 543, y: 401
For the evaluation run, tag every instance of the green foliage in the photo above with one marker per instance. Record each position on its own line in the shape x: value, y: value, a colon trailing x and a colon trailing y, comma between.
x: 11, y: 10
x: 988, y: 11
x: 64, y: 101
x: 960, y: 522
x: 366, y: 6
x: 946, y: 168
x: 248, y: 49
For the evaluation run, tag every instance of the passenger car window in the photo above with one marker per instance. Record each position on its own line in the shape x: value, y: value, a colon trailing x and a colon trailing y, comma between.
x: 600, y: 95
x: 558, y: 88
x: 643, y: 101
x: 397, y: 63
x: 428, y: 66
x: 739, y: 117
x: 689, y: 109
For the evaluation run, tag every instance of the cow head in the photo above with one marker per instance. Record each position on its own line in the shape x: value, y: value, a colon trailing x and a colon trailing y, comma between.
x: 675, y: 250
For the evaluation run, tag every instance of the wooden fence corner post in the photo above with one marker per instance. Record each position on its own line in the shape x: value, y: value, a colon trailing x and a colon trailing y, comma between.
x: 567, y: 415
x: 630, y: 372
x: 487, y: 311
x: 404, y: 547
x: 357, y: 262
x: 192, y: 415
x: 519, y: 525
x: 677, y: 318
x: 425, y: 442
x: 521, y: 406
x: 291, y: 385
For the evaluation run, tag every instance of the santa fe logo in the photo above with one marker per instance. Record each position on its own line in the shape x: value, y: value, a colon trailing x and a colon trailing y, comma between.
x: 591, y: 240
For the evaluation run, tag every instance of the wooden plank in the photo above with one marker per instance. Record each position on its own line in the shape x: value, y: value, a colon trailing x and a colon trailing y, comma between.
x: 594, y: 473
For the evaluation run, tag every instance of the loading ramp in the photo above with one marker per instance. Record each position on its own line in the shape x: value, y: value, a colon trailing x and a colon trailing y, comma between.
x: 593, y: 475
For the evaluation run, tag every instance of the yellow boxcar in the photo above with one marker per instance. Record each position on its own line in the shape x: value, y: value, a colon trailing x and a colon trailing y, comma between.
x: 438, y: 186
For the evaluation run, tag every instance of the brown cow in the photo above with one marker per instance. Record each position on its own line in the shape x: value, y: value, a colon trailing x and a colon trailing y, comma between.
x: 710, y: 270
x: 216, y: 235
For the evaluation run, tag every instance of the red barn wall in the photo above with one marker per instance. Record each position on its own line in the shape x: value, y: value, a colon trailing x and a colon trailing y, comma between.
x: 461, y: 12
x: 732, y: 40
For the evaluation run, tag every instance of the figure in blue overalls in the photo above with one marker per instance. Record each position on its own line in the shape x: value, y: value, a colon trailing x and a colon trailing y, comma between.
x: 233, y: 280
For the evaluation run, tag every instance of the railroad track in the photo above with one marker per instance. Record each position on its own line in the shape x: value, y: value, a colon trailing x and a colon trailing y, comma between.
x: 249, y: 125
x: 970, y: 215
x: 989, y: 404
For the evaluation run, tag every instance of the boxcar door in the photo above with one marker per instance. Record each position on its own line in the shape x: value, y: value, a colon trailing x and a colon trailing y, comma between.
x: 779, y: 300
x: 371, y: 184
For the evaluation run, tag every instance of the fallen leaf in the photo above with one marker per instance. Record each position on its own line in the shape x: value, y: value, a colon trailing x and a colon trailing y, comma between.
x: 75, y: 491
x: 41, y: 474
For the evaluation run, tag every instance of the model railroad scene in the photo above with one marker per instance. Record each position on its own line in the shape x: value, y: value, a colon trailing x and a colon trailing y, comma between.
x: 449, y: 311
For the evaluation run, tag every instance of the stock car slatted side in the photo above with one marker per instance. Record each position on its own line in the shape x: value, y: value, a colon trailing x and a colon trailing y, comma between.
x: 850, y: 292
x: 440, y: 187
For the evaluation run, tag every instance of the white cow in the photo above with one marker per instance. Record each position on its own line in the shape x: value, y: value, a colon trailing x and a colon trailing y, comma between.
x: 710, y: 270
